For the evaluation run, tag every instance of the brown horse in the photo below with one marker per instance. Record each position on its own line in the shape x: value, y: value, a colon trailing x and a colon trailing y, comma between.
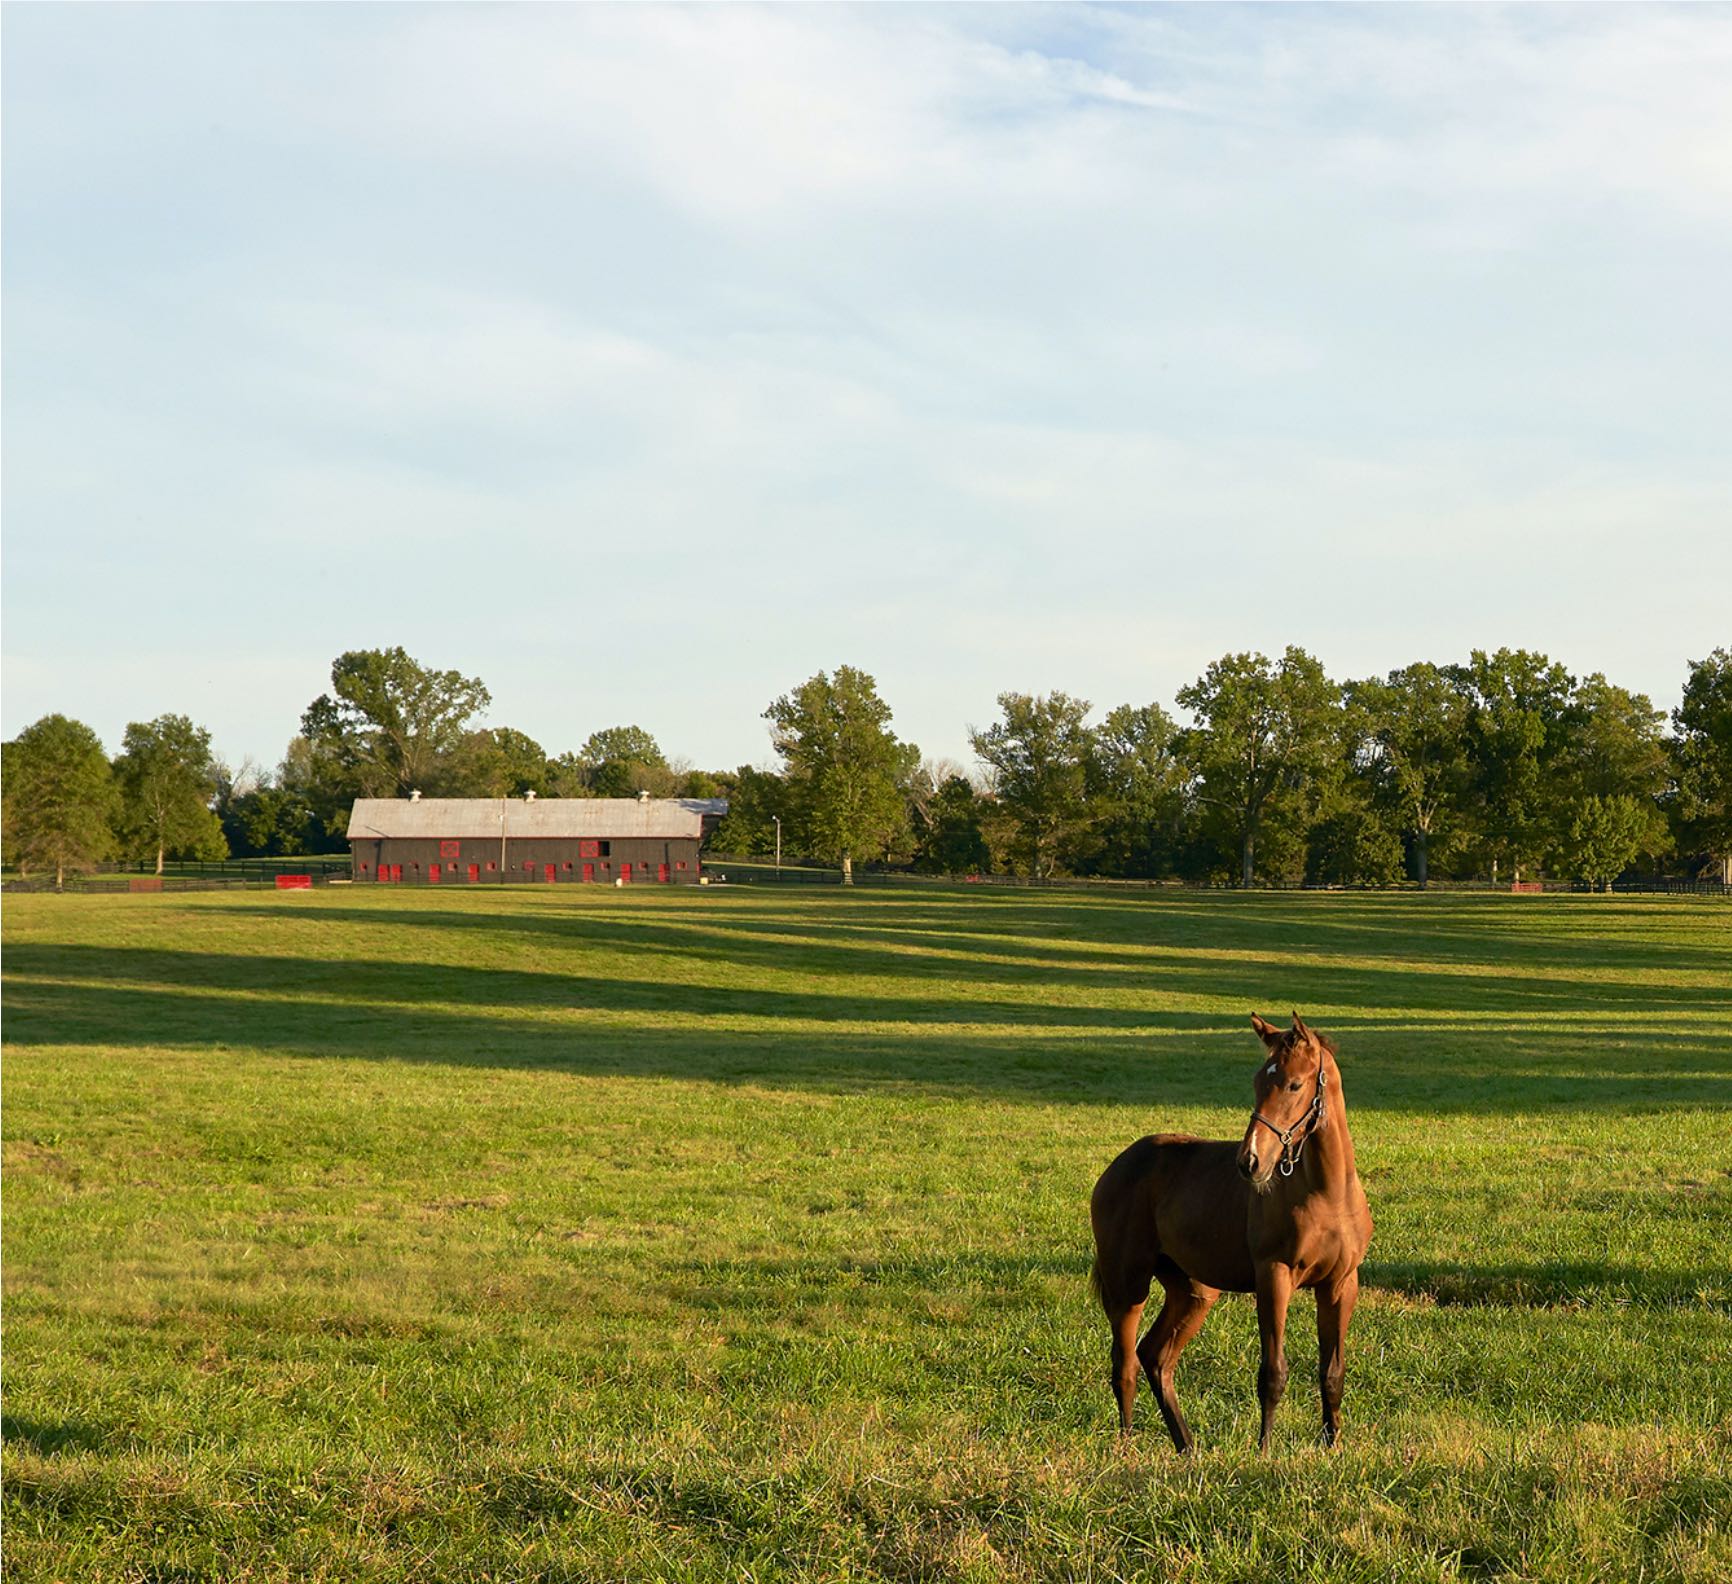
x: 1281, y: 1209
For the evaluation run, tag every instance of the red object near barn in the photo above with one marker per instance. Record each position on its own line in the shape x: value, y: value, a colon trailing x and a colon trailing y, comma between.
x: 294, y: 882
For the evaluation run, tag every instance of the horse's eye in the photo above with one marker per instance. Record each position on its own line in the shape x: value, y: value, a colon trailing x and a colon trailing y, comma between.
x: 1293, y: 1086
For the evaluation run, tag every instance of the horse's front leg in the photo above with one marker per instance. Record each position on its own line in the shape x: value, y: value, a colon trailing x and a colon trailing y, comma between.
x: 1274, y: 1292
x: 1334, y: 1311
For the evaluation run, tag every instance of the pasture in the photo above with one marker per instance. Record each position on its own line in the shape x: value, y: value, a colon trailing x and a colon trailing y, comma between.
x: 574, y: 1234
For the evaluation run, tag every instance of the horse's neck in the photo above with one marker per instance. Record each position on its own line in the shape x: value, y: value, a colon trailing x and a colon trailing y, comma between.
x: 1331, y: 1168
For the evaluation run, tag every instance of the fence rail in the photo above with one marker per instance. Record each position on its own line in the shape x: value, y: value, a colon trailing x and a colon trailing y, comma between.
x: 254, y: 874
x: 755, y: 870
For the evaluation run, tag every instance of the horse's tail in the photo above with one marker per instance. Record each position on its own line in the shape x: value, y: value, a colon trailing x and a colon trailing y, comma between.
x: 1095, y: 1283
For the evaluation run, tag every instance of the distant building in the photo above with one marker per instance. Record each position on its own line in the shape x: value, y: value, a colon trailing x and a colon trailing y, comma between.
x: 470, y: 841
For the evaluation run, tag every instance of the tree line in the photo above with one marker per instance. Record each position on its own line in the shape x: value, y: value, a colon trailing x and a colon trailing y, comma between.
x: 1502, y: 766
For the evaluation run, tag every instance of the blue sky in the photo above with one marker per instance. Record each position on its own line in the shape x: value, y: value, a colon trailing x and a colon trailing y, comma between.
x: 644, y: 360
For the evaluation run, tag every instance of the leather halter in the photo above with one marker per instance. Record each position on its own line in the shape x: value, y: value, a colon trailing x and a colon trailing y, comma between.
x: 1313, y: 1115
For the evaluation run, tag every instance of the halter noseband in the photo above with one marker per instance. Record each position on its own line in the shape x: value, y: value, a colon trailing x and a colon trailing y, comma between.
x: 1290, y: 1151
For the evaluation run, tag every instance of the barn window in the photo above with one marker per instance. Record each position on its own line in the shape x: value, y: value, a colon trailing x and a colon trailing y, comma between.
x: 490, y: 865
x: 568, y: 866
x: 681, y: 864
x: 606, y: 848
x: 363, y: 868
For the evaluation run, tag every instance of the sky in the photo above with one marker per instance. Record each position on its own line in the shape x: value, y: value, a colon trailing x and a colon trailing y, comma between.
x: 643, y: 361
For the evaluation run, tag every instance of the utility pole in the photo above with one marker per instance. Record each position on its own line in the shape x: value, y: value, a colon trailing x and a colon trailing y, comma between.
x: 778, y: 846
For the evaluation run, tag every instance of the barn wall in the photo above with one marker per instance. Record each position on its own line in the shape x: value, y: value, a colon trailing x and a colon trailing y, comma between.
x: 526, y: 859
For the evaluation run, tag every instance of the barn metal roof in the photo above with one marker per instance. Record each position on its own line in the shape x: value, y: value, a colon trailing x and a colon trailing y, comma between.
x: 453, y: 818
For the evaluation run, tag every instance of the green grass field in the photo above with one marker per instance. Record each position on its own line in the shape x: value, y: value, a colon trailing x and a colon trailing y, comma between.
x: 579, y: 1234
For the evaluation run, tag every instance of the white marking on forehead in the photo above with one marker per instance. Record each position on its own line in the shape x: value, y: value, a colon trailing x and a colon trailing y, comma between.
x: 1270, y: 1067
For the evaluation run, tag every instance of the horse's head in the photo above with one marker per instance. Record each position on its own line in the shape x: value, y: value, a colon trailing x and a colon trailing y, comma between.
x: 1288, y: 1098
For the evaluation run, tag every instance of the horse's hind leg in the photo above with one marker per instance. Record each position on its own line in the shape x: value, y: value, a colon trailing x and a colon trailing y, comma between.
x: 1181, y: 1318
x: 1124, y: 1319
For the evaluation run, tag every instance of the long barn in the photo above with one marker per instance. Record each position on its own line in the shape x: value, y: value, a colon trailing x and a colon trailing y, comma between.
x: 470, y: 841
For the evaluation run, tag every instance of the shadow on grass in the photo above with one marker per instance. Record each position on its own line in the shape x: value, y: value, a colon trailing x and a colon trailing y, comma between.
x: 1558, y: 1285
x: 1274, y: 963
x: 772, y: 1282
x: 416, y: 1012
x: 67, y: 1435
x: 1563, y: 933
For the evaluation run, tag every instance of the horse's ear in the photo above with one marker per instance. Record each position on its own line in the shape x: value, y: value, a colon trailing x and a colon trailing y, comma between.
x: 1267, y: 1032
x: 1299, y: 1027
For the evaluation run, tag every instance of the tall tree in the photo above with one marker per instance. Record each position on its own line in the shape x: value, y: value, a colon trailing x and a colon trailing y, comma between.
x: 167, y: 784
x: 1413, y: 735
x: 1349, y: 840
x: 1604, y: 837
x: 1519, y: 725
x: 845, y: 767
x: 390, y: 721
x: 757, y: 799
x: 621, y: 761
x: 313, y: 773
x: 1137, y: 783
x: 59, y: 798
x: 1266, y: 739
x: 1703, y: 753
x: 1039, y: 757
x: 1615, y: 752
x: 498, y: 761
x: 948, y: 838
x: 272, y: 822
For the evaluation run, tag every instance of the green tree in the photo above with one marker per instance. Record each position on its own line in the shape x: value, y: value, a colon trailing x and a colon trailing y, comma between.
x: 845, y: 767
x: 568, y: 777
x: 59, y: 798
x: 271, y: 822
x: 690, y: 782
x: 1519, y: 725
x: 1616, y: 750
x: 167, y: 784
x: 389, y: 722
x: 1702, y: 752
x: 1039, y: 756
x: 498, y: 762
x: 621, y: 761
x: 1266, y: 741
x: 756, y: 801
x: 1605, y: 837
x: 1350, y: 842
x: 1137, y: 784
x: 313, y: 772
x: 1412, y: 729
x: 948, y: 836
